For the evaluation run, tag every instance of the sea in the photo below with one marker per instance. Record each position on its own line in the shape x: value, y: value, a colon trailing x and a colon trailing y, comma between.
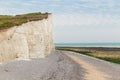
x: 114, y: 45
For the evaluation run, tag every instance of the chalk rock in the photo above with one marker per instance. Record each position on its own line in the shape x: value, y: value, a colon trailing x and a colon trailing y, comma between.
x: 30, y: 40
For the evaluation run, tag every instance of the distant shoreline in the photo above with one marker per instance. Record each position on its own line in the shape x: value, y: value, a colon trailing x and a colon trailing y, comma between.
x: 104, y: 45
x: 94, y: 48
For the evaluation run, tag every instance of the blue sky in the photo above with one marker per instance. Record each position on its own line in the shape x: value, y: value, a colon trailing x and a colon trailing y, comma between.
x: 75, y: 20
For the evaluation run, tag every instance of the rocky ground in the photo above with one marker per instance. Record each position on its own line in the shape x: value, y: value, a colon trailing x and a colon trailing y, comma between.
x: 60, y: 66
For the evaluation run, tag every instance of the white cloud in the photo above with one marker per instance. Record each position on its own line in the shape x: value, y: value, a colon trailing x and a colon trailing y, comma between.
x: 87, y: 20
x: 87, y: 28
x: 73, y: 17
x: 64, y: 6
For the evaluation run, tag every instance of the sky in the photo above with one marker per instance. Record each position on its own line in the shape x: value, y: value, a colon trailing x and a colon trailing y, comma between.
x: 75, y: 21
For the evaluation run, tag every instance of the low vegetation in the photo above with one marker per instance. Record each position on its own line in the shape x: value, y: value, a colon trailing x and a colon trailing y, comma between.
x: 108, y: 54
x: 7, y: 21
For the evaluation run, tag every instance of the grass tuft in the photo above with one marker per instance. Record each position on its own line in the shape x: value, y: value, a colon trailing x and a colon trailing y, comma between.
x: 7, y: 21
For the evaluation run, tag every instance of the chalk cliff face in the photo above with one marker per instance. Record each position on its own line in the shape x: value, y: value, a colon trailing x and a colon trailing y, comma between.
x: 29, y: 40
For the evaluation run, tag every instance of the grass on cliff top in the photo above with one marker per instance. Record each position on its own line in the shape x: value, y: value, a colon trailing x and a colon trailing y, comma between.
x: 108, y: 55
x: 7, y: 21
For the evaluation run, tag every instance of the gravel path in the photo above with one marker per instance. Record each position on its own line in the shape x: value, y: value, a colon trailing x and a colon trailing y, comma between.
x: 55, y: 67
x: 103, y: 70
x: 60, y: 66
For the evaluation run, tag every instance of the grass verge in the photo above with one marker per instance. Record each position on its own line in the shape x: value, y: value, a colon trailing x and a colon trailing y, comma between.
x: 110, y: 55
x: 7, y: 21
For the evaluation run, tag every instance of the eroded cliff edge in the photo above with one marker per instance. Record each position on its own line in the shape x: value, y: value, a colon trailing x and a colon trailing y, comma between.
x: 29, y: 40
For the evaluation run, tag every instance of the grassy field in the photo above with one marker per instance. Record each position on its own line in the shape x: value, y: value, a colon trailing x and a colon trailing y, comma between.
x: 7, y: 21
x: 108, y: 54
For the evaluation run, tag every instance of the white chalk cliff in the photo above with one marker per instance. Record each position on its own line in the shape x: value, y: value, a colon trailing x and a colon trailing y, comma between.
x: 29, y: 40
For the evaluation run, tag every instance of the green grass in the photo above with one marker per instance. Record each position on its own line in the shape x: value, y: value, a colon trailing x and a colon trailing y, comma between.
x: 111, y: 56
x: 7, y: 21
x: 78, y: 51
x: 114, y: 60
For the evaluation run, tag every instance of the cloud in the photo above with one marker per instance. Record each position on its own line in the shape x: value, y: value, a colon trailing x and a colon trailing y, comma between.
x: 87, y: 28
x: 73, y: 17
x: 87, y: 20
x: 63, y: 6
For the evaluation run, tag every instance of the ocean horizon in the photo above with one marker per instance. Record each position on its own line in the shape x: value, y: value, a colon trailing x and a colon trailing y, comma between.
x: 116, y: 45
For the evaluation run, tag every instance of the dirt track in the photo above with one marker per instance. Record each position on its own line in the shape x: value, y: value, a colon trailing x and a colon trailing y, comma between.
x: 60, y: 66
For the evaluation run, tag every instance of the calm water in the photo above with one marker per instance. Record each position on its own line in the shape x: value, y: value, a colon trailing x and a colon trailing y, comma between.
x: 88, y: 44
